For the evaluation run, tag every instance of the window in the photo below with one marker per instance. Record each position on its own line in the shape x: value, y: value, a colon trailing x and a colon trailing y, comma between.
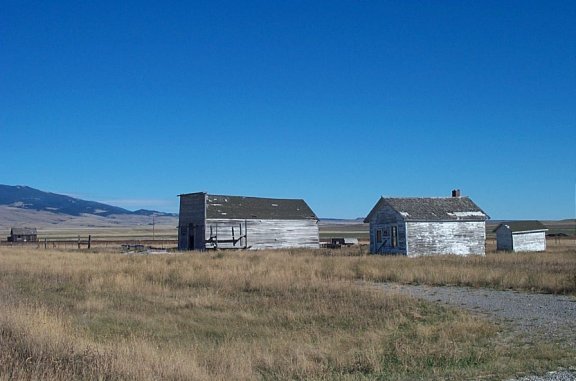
x: 394, y: 240
x: 378, y: 235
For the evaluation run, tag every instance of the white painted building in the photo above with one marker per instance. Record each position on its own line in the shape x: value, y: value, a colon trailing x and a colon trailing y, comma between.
x: 236, y: 222
x: 521, y: 236
x: 427, y: 226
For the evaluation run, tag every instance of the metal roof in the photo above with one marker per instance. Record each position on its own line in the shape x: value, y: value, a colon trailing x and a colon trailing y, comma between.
x: 523, y: 226
x: 432, y: 209
x: 220, y: 206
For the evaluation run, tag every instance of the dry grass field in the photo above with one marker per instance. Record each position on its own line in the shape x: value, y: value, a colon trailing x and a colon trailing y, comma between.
x: 261, y: 315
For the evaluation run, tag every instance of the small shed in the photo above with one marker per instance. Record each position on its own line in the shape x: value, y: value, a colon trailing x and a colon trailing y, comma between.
x: 236, y: 222
x: 427, y: 226
x: 23, y: 235
x: 521, y: 236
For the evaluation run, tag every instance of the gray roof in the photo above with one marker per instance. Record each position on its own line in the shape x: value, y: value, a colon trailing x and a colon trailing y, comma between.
x: 523, y: 226
x: 23, y: 231
x: 219, y: 206
x: 432, y: 209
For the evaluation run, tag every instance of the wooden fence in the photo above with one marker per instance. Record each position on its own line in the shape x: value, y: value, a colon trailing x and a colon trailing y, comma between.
x: 88, y: 242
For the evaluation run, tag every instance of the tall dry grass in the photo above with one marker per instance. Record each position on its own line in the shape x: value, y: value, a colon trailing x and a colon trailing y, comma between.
x: 553, y: 271
x: 270, y: 315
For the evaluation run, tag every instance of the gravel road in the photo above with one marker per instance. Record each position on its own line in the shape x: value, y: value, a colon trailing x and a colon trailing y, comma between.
x: 539, y: 316
x: 564, y: 375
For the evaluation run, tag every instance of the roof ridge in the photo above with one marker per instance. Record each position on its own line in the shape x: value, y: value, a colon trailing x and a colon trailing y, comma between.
x: 258, y: 197
x: 435, y: 197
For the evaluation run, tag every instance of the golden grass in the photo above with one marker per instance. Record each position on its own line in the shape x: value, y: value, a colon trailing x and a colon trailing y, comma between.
x: 245, y: 315
x: 553, y: 271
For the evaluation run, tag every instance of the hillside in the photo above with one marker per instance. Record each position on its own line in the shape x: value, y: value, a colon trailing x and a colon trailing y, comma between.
x: 23, y: 205
x: 24, y: 197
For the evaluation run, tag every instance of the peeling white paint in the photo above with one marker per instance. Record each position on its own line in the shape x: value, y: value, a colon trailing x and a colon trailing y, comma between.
x: 520, y: 241
x: 455, y: 237
x: 267, y: 234
x: 253, y: 233
x: 466, y: 214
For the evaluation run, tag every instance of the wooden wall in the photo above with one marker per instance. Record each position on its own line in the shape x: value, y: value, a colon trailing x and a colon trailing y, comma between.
x: 388, y: 245
x: 385, y: 220
x: 446, y: 237
x: 535, y: 241
x: 425, y: 238
x: 504, y: 239
x: 191, y: 221
x: 520, y: 241
x: 263, y: 234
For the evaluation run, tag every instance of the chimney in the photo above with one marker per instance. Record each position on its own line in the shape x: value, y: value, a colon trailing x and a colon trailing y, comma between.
x: 455, y: 192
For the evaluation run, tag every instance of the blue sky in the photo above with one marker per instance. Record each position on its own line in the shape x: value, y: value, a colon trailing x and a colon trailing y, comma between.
x: 336, y: 102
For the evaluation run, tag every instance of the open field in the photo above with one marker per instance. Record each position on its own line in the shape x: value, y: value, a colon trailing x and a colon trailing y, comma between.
x: 271, y: 315
x: 166, y: 233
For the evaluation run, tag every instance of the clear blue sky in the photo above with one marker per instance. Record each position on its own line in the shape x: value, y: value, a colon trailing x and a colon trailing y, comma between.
x: 335, y: 102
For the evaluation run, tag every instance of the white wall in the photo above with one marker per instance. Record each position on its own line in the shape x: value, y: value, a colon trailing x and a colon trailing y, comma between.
x: 267, y: 234
x: 535, y: 241
x: 453, y: 237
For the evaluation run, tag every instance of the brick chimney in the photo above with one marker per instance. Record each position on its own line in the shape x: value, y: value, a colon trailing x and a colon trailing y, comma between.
x: 455, y: 192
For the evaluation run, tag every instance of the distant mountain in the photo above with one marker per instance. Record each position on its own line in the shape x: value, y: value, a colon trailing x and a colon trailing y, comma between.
x: 146, y: 212
x: 24, y: 197
x: 341, y: 221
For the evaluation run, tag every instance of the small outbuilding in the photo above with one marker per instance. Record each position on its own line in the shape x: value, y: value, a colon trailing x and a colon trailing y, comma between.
x: 23, y: 235
x: 236, y: 222
x: 427, y: 226
x: 521, y: 236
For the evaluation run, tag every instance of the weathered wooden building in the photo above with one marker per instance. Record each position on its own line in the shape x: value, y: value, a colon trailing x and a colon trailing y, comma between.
x: 521, y: 236
x: 236, y: 222
x: 23, y: 235
x: 427, y: 226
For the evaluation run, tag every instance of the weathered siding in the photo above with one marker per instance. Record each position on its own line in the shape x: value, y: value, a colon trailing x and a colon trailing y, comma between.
x: 382, y: 225
x: 530, y: 241
x: 454, y: 237
x: 191, y: 221
x: 227, y: 222
x: 218, y: 231
x: 520, y: 241
x: 504, y: 239
x: 262, y: 234
x: 388, y: 244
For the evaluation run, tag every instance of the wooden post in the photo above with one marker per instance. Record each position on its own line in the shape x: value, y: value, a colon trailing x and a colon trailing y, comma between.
x: 45, y: 243
x: 245, y: 234
x: 78, y: 241
x: 89, y: 241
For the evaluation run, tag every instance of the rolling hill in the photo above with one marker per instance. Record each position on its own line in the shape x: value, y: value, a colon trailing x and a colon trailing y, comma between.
x: 23, y: 205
